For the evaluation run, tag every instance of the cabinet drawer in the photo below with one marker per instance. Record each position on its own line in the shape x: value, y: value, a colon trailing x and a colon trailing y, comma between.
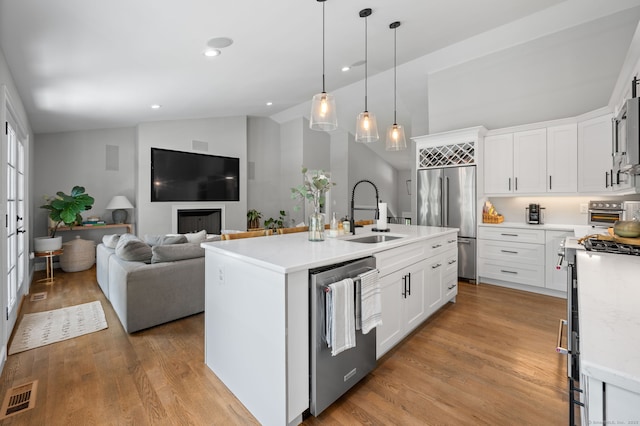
x: 442, y: 244
x: 389, y: 261
x: 517, y: 273
x: 521, y: 235
x: 508, y: 252
x: 450, y: 285
x: 451, y: 262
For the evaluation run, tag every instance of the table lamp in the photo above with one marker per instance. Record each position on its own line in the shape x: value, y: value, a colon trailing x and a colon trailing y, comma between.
x: 118, y: 204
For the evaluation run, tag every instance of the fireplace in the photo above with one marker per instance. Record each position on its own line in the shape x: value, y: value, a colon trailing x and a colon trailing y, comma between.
x: 186, y: 219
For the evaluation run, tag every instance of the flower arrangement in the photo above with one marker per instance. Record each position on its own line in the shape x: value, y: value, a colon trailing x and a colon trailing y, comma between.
x: 316, y: 184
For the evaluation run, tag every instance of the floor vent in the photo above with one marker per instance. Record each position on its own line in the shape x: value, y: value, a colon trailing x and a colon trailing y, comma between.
x: 19, y: 399
x: 38, y: 296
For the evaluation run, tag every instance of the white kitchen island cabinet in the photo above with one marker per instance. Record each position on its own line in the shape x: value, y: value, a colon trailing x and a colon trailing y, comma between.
x: 608, y: 295
x: 257, y: 309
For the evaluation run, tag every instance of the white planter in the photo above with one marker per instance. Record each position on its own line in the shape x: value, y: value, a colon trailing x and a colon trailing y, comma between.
x: 41, y: 244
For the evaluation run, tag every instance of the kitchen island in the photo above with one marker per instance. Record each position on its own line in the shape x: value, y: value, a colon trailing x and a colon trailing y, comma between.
x: 257, y: 308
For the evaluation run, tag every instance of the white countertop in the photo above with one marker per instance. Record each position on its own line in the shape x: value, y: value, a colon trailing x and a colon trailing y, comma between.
x: 608, y: 297
x: 545, y: 226
x: 294, y: 252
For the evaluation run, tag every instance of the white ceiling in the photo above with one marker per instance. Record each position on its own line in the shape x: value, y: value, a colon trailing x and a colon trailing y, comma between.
x: 88, y: 64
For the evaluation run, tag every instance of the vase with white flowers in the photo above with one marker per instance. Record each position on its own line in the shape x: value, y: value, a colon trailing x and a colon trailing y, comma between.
x: 315, y: 185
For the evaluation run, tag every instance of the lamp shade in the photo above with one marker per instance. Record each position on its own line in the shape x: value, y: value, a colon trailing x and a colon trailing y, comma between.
x: 366, y: 128
x: 119, y: 202
x: 395, y: 138
x: 323, y: 113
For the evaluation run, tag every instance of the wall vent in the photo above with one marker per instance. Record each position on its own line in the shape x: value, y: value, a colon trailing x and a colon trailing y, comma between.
x: 35, y: 297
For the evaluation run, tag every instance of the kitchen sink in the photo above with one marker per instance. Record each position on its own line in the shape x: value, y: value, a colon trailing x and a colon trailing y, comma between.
x: 373, y: 239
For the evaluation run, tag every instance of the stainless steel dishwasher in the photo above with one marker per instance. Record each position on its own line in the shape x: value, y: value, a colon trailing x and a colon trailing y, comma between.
x: 332, y: 376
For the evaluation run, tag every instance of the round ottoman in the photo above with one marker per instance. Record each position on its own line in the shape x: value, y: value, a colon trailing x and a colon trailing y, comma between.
x: 79, y: 255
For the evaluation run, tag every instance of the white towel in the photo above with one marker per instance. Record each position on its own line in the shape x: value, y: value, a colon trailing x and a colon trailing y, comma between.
x: 340, y: 316
x: 371, y: 304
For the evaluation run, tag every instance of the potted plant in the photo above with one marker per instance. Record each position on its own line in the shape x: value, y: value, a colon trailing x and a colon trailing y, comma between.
x: 253, y: 219
x: 274, y: 224
x: 65, y: 209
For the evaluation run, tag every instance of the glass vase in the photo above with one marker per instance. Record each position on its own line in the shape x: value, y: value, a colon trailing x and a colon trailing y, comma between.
x: 316, y: 226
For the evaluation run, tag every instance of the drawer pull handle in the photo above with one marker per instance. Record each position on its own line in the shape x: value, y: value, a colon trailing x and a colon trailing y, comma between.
x: 559, y: 348
x: 451, y: 241
x: 509, y: 251
x: 451, y: 262
x: 510, y: 235
x: 436, y: 246
x: 437, y: 265
x: 508, y: 272
x: 451, y: 287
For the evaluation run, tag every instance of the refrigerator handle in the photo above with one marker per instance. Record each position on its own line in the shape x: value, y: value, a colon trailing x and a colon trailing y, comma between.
x: 442, y: 198
x: 445, y: 203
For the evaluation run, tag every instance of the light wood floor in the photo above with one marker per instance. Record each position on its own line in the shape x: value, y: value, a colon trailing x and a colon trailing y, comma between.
x: 488, y: 359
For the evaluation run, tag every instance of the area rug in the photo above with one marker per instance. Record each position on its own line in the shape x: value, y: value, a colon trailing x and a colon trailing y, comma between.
x: 44, y: 328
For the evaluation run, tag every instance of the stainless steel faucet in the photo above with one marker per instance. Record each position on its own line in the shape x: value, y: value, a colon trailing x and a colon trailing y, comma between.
x: 376, y: 209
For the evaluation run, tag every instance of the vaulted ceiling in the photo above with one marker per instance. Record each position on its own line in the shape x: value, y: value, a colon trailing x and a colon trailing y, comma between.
x: 85, y: 64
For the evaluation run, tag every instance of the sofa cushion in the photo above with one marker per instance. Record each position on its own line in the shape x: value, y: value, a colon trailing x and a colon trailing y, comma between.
x: 173, y: 252
x: 110, y: 240
x: 133, y: 249
x: 161, y: 240
x: 196, y: 237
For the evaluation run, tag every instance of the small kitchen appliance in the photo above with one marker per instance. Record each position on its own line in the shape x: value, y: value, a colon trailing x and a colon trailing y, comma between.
x: 535, y: 214
x: 607, y: 213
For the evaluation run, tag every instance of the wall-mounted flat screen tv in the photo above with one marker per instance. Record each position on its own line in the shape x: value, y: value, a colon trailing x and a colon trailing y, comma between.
x: 187, y: 176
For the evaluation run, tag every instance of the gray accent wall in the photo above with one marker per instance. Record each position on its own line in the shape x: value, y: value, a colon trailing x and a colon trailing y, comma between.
x: 63, y: 160
x: 225, y: 136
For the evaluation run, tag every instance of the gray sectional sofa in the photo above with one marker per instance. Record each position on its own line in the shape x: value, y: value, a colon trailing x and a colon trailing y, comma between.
x: 150, y: 284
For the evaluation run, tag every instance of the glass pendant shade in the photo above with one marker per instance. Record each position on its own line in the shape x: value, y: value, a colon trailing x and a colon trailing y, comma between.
x: 323, y: 113
x: 366, y: 128
x: 395, y: 138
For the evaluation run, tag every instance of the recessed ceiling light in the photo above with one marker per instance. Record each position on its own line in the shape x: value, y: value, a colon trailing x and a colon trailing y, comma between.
x: 345, y: 69
x: 211, y: 52
x: 156, y: 106
x: 269, y: 103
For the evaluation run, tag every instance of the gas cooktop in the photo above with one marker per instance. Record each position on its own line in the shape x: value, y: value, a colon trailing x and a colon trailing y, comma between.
x: 604, y: 246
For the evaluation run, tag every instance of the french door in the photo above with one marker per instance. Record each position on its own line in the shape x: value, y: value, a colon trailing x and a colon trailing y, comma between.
x: 13, y: 244
x: 15, y: 216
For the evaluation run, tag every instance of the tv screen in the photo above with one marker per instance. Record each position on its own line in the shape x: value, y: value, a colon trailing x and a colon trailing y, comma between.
x: 187, y: 176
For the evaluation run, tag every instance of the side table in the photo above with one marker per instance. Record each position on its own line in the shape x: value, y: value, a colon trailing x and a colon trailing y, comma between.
x: 48, y: 255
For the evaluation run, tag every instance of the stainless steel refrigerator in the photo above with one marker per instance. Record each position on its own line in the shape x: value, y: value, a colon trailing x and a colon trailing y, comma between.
x: 447, y: 197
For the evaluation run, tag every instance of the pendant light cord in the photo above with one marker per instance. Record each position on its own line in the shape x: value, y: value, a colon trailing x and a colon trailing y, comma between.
x: 366, y: 63
x: 395, y: 76
x: 323, y: 89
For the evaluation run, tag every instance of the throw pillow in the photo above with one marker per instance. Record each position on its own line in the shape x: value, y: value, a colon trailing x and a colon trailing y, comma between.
x: 110, y: 240
x: 160, y: 240
x: 196, y: 237
x: 133, y: 249
x: 173, y: 252
x: 211, y: 238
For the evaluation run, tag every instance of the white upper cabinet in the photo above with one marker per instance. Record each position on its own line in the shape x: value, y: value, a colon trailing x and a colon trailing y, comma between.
x: 595, y: 163
x: 530, y: 161
x: 562, y: 158
x: 498, y: 164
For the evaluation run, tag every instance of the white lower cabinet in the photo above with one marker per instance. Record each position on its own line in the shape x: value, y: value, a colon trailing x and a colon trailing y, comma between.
x: 413, y: 290
x: 609, y: 404
x: 521, y: 256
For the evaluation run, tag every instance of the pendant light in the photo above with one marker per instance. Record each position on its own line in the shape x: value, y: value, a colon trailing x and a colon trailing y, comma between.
x: 395, y: 132
x: 366, y: 125
x: 323, y: 106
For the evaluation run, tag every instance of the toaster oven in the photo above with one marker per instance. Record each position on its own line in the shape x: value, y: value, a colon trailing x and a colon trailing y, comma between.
x: 606, y: 213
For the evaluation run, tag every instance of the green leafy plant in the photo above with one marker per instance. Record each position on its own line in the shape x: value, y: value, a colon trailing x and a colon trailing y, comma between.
x: 253, y: 218
x: 315, y: 186
x: 274, y: 224
x: 66, y: 209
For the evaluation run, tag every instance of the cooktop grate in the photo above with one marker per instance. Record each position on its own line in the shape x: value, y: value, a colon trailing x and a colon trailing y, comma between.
x: 604, y: 246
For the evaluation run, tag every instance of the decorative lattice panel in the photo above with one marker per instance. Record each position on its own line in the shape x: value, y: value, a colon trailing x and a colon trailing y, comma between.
x: 447, y: 155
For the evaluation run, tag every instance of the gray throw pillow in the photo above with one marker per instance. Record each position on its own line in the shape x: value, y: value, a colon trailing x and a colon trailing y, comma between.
x: 173, y: 252
x: 160, y: 240
x: 196, y: 237
x: 110, y: 240
x: 133, y: 249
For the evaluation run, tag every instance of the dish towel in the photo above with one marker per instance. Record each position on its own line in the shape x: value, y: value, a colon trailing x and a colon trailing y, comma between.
x: 340, y: 317
x: 371, y: 304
